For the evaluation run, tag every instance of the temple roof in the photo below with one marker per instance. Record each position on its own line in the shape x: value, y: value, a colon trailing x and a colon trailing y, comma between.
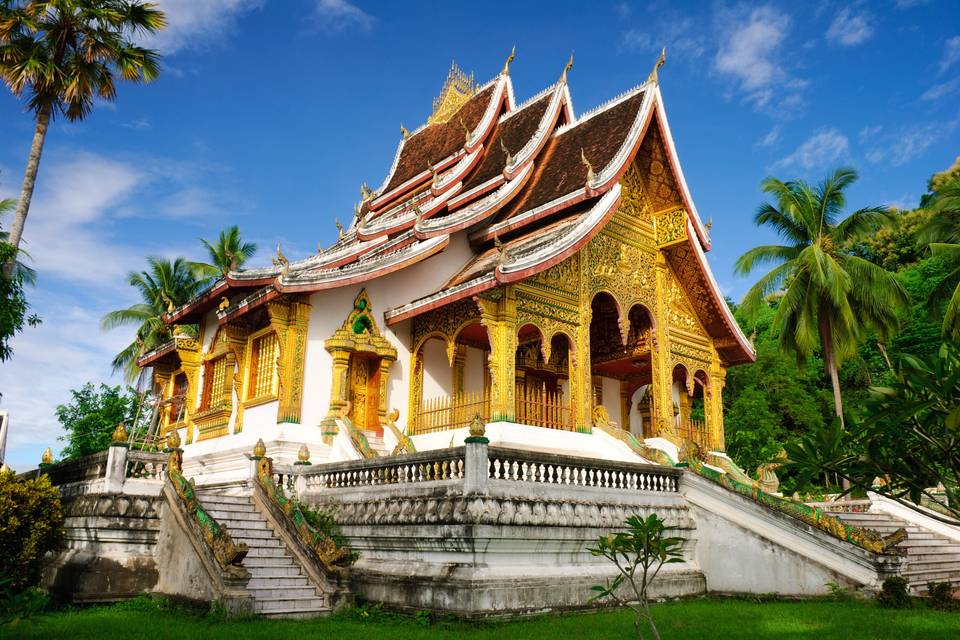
x: 530, y: 184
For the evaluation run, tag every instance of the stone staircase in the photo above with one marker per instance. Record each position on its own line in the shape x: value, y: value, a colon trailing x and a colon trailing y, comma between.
x: 376, y: 443
x: 930, y: 557
x: 280, y: 588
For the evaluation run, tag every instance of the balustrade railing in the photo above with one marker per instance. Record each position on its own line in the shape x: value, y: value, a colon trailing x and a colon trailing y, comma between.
x: 452, y: 412
x: 145, y: 465
x: 695, y: 431
x: 527, y: 466
x: 543, y: 409
x: 428, y: 466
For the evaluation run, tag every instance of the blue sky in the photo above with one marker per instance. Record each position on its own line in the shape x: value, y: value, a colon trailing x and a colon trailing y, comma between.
x: 270, y: 113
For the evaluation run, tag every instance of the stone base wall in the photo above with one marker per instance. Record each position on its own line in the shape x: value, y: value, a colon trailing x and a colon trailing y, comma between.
x: 109, y: 554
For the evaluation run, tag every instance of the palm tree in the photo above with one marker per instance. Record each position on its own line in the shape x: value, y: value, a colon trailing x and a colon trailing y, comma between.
x: 163, y: 286
x: 62, y: 54
x: 943, y: 236
x: 227, y: 254
x: 21, y: 271
x: 830, y: 298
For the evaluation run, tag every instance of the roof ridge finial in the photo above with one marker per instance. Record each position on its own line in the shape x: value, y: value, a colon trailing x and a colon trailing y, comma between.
x: 506, y: 152
x: 653, y: 77
x: 506, y: 65
x: 404, y: 132
x: 566, y: 68
x: 583, y: 159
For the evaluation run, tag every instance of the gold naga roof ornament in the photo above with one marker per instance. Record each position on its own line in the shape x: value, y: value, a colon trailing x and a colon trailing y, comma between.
x: 404, y: 132
x: 457, y: 89
x: 501, y: 250
x: 506, y: 152
x: 433, y: 171
x: 281, y: 262
x: 566, y: 68
x: 506, y: 65
x: 590, y: 174
x: 653, y: 77
x: 224, y: 304
x: 340, y: 230
x: 365, y: 192
x: 466, y: 132
x: 166, y: 299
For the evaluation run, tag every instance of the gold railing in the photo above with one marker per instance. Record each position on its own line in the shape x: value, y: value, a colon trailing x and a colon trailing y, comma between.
x: 439, y: 414
x: 695, y: 431
x: 543, y: 409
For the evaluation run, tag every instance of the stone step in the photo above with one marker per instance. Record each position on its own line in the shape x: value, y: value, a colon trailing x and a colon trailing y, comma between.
x: 236, y: 516
x: 939, y: 543
x: 227, y: 507
x: 926, y: 565
x: 219, y: 498
x: 296, y: 614
x: 932, y: 555
x: 261, y: 582
x: 272, y: 571
x: 268, y: 562
x: 267, y: 552
x: 305, y: 590
x: 245, y: 533
x: 312, y: 602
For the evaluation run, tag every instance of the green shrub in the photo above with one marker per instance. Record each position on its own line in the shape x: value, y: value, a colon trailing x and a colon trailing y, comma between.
x: 941, y: 596
x: 31, y: 524
x: 894, y: 594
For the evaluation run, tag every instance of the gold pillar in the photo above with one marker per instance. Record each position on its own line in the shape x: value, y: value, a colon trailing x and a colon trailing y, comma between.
x: 500, y: 319
x: 714, y: 410
x: 415, y: 402
x: 384, y: 378
x: 459, y: 369
x: 625, y: 406
x: 664, y: 424
x: 237, y: 345
x: 290, y: 318
x: 190, y: 362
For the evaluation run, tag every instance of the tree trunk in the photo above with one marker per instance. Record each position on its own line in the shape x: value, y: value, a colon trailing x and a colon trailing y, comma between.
x: 29, y: 180
x: 830, y: 361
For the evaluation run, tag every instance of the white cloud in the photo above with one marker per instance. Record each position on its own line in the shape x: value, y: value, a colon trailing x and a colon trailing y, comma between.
x: 340, y: 15
x: 850, y: 27
x: 770, y: 139
x: 908, y: 4
x: 868, y: 132
x: 940, y: 90
x: 822, y: 149
x: 681, y: 36
x: 951, y: 53
x: 750, y: 51
x: 195, y: 24
x: 909, y: 143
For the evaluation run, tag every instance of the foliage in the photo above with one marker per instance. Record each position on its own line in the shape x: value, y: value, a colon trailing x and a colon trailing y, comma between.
x: 943, y: 236
x: 941, y: 596
x: 227, y: 254
x: 909, y: 435
x: 325, y: 523
x: 893, y: 594
x: 894, y: 245
x: 92, y: 415
x: 17, y: 606
x: 938, y: 180
x: 644, y: 546
x: 830, y: 297
x: 31, y: 521
x: 840, y: 593
x: 14, y: 308
x: 165, y: 285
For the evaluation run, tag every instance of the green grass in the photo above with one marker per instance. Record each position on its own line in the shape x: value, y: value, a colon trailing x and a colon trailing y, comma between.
x: 689, y: 620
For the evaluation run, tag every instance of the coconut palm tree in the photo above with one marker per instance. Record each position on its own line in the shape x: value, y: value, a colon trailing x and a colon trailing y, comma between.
x: 63, y: 54
x: 25, y: 273
x: 227, y: 254
x: 943, y: 236
x: 163, y: 286
x: 830, y: 299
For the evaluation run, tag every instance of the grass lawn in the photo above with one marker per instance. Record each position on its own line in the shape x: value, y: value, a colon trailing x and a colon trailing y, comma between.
x: 689, y: 620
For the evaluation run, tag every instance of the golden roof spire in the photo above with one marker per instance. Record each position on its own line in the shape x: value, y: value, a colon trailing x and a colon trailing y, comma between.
x: 506, y: 65
x: 457, y: 89
x: 653, y: 74
x: 566, y: 68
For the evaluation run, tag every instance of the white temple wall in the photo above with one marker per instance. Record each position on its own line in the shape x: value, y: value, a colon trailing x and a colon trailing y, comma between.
x: 611, y: 398
x: 437, y: 376
x: 636, y: 422
x: 473, y: 371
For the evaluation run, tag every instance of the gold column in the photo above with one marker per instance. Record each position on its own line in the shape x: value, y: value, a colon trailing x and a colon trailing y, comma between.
x: 625, y: 405
x: 415, y: 401
x: 237, y: 345
x: 714, y: 410
x: 500, y: 319
x: 384, y: 378
x: 459, y: 369
x: 339, y: 387
x: 190, y: 362
x: 662, y: 373
x: 290, y: 318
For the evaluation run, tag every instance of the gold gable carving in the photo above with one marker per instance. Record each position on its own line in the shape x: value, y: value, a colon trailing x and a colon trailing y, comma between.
x: 457, y: 89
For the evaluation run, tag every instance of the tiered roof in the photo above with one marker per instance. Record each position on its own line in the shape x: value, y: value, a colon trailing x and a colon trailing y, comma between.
x: 531, y: 184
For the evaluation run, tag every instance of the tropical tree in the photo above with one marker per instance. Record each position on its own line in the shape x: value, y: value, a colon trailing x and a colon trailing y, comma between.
x: 227, y: 254
x: 830, y: 298
x: 942, y: 233
x: 23, y: 272
x: 163, y: 286
x: 61, y: 55
x: 14, y: 307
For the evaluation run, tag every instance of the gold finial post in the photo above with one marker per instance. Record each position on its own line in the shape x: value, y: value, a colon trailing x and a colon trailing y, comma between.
x: 259, y: 449
x: 566, y: 68
x: 47, y: 457
x: 653, y: 77
x: 478, y: 430
x: 506, y: 65
x: 404, y: 132
x: 119, y: 434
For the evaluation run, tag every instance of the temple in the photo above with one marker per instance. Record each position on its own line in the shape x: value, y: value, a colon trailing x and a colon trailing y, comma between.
x: 514, y: 345
x: 520, y: 262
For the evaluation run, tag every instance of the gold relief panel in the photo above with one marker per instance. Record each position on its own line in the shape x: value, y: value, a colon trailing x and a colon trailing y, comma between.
x: 633, y: 202
x: 563, y: 278
x: 445, y: 321
x: 670, y: 226
x: 628, y: 272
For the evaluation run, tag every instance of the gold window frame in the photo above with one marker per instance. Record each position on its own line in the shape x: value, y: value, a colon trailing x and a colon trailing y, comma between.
x: 252, y: 360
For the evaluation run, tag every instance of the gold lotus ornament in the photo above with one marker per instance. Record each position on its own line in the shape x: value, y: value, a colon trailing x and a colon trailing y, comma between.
x: 47, y: 457
x: 119, y: 434
x: 259, y: 449
x: 173, y: 439
x: 303, y: 455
